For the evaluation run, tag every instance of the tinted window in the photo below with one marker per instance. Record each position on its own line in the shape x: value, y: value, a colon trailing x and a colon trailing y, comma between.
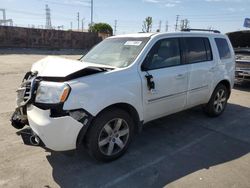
x: 223, y: 48
x: 208, y: 49
x: 164, y: 53
x: 197, y: 49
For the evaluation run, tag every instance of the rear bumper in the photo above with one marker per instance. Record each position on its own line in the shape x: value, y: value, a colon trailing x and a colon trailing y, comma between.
x: 58, y: 134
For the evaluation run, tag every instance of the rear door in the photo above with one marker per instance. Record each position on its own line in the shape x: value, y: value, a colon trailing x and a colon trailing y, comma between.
x: 201, y: 66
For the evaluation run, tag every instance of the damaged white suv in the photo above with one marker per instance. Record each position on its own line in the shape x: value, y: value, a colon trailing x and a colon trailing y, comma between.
x: 125, y: 81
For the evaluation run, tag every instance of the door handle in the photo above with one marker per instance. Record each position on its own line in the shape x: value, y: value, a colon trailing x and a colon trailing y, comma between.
x: 179, y: 76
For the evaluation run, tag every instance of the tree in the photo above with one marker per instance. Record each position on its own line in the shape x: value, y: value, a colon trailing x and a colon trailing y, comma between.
x: 101, y: 28
x: 147, y: 24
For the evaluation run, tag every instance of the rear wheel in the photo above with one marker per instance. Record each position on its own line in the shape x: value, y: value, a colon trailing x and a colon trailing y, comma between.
x: 218, y: 101
x: 110, y: 135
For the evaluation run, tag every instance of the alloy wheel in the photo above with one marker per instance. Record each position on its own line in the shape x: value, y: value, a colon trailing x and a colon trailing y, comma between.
x: 113, y: 137
x: 220, y: 101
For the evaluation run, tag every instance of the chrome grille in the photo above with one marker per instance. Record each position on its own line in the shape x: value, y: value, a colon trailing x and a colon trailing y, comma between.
x: 25, y: 92
x: 243, y: 64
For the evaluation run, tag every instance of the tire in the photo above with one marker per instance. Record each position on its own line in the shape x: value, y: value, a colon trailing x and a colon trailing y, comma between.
x: 110, y: 135
x: 217, y: 102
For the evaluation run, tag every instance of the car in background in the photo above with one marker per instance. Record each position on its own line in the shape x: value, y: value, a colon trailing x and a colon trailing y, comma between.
x: 242, y: 70
x: 241, y: 43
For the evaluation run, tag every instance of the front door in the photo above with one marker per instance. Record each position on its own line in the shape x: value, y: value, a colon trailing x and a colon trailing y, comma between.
x: 165, y: 92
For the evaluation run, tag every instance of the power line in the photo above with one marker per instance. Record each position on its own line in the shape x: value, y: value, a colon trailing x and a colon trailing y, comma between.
x: 83, y: 3
x: 208, y: 15
x: 25, y: 12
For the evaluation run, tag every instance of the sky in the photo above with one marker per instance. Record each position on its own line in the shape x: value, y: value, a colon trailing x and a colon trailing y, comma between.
x: 223, y: 15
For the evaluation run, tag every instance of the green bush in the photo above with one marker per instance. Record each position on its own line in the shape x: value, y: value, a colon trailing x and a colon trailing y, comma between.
x: 101, y: 28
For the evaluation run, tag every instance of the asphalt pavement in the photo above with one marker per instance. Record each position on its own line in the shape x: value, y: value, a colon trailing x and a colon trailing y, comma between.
x: 187, y: 149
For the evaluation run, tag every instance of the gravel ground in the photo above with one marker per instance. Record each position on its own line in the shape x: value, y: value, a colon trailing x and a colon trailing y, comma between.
x: 186, y: 149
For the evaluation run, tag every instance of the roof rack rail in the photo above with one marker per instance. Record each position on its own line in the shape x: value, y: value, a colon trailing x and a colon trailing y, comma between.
x: 209, y: 30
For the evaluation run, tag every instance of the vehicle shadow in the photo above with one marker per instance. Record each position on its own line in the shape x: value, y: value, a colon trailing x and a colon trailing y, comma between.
x: 166, y: 150
x: 242, y: 86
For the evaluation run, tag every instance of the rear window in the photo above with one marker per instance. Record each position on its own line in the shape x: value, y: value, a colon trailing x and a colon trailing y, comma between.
x: 197, y: 49
x: 223, y: 48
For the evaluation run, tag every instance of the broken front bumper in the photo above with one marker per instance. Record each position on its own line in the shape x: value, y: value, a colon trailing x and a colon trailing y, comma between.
x: 57, y: 133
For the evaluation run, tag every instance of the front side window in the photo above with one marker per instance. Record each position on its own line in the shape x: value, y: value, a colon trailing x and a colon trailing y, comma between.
x: 165, y: 53
x: 223, y: 48
x: 196, y: 50
x: 116, y: 52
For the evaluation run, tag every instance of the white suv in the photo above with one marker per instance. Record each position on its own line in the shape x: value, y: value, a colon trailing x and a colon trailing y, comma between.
x: 123, y: 82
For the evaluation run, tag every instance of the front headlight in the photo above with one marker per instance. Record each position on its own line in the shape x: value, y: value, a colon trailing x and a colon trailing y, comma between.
x: 52, y: 92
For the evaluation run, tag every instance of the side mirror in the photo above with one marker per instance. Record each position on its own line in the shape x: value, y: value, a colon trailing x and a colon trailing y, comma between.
x: 144, y: 67
x: 150, y: 82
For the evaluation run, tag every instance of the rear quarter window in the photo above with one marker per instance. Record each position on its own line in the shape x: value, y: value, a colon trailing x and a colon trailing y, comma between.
x: 223, y: 48
x: 197, y: 49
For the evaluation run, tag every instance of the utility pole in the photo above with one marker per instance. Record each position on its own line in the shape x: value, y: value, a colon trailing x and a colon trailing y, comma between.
x: 5, y: 21
x: 4, y: 16
x: 177, y: 20
x: 71, y: 25
x: 92, y: 10
x: 83, y: 24
x: 115, y: 27
x: 78, y: 20
x: 159, y: 29
x: 167, y: 26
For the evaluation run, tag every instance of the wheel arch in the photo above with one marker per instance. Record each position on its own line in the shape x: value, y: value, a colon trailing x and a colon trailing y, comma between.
x: 124, y: 106
x: 227, y: 84
x: 127, y: 108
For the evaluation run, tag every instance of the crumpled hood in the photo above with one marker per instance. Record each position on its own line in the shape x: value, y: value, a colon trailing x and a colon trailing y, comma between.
x: 60, y: 67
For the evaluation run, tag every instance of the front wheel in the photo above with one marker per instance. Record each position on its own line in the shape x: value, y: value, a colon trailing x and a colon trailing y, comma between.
x: 218, y: 101
x: 110, y: 135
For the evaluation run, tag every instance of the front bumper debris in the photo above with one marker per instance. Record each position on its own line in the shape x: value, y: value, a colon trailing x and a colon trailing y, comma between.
x: 19, y: 118
x: 25, y: 95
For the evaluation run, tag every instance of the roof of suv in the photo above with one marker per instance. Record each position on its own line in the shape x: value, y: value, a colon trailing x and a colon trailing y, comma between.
x: 138, y: 35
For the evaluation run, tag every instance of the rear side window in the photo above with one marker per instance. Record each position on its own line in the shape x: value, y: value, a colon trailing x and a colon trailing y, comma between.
x: 223, y: 48
x: 197, y: 49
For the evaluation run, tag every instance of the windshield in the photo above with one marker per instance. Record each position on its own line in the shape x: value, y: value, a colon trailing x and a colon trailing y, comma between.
x: 116, y: 52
